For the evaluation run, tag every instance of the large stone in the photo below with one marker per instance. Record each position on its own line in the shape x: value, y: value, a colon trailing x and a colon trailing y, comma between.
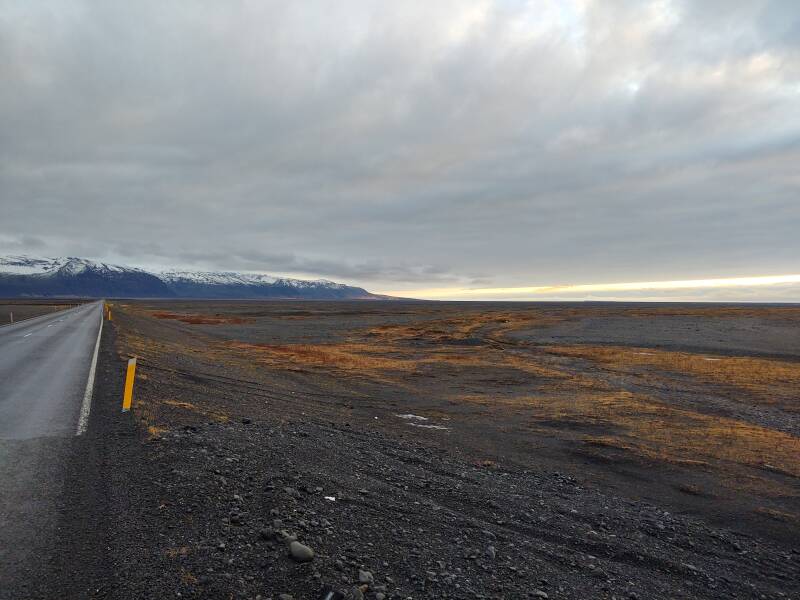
x: 301, y: 552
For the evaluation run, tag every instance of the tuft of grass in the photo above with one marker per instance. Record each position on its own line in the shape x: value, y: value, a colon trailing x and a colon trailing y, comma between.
x: 154, y: 431
x: 215, y: 415
x: 778, y: 515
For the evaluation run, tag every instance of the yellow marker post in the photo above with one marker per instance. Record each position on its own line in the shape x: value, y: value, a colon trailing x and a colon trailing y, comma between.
x: 128, y: 397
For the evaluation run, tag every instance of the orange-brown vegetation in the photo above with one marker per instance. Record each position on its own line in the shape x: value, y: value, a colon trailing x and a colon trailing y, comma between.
x: 778, y: 515
x: 717, y: 312
x: 644, y: 426
x: 769, y: 381
x: 352, y: 357
x: 467, y: 325
x: 194, y: 319
x: 382, y: 361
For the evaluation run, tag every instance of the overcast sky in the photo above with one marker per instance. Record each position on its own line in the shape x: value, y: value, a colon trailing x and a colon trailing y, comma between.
x: 407, y: 145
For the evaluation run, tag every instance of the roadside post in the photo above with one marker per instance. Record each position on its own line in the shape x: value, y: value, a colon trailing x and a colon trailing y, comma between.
x: 12, y: 316
x: 127, y: 398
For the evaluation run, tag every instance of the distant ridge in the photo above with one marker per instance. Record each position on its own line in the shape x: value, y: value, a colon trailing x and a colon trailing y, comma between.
x: 26, y: 276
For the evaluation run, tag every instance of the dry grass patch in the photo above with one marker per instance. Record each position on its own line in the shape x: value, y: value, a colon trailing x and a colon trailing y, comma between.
x: 154, y: 431
x: 770, y: 381
x: 348, y: 357
x: 211, y: 414
x: 643, y: 426
x: 176, y: 552
x: 195, y: 319
x: 778, y: 515
x: 463, y: 327
x: 718, y: 312
x: 380, y: 361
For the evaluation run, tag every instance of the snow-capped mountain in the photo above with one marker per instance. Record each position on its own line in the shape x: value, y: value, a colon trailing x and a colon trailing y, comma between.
x: 216, y: 277
x: 71, y: 276
x: 26, y: 265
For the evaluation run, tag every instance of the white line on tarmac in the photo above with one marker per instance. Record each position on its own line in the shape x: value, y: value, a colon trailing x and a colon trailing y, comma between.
x: 86, y: 406
x: 27, y: 334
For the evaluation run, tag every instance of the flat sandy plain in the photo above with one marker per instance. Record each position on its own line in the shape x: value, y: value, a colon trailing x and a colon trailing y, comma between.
x: 486, y: 449
x: 26, y: 308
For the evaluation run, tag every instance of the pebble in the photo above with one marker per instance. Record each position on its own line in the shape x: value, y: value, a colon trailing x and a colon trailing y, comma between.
x: 365, y: 577
x: 355, y: 594
x: 301, y: 552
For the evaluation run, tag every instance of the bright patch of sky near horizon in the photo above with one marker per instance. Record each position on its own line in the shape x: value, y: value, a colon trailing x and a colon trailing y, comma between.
x: 410, y: 146
x: 743, y: 288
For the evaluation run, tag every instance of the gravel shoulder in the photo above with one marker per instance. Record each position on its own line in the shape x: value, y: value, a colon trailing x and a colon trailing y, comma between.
x: 216, y: 506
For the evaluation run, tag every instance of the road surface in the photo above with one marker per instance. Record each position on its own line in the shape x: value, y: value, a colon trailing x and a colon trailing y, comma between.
x: 44, y: 368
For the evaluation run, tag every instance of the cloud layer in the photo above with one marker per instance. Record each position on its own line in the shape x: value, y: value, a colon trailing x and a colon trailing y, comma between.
x: 408, y: 144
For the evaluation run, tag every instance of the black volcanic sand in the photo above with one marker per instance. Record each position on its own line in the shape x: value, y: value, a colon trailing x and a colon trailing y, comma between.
x: 747, y: 335
x: 245, y: 429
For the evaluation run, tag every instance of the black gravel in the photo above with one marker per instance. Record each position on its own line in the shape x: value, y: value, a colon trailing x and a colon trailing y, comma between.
x: 216, y: 505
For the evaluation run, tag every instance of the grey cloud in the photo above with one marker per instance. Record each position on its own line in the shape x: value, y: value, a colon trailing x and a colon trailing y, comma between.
x: 406, y: 144
x: 290, y: 262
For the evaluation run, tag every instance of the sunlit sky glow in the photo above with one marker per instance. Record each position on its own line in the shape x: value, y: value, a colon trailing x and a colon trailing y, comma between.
x: 587, y: 291
x: 415, y: 145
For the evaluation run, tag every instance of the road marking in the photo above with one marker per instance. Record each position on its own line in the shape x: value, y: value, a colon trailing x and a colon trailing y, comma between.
x: 86, y: 406
x: 27, y: 334
x: 128, y: 397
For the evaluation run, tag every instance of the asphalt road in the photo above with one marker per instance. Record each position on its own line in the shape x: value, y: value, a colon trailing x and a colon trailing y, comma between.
x: 44, y: 367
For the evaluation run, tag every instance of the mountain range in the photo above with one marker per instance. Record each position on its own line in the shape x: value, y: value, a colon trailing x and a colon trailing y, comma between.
x: 26, y: 276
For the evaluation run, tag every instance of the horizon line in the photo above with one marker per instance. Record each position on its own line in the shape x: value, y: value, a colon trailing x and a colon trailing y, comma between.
x: 546, y: 290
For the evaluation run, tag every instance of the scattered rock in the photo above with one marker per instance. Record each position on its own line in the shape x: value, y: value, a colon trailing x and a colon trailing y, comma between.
x: 365, y: 577
x: 300, y: 552
x: 356, y: 593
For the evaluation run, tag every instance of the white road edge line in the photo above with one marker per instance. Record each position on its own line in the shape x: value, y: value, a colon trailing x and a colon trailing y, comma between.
x: 86, y: 407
